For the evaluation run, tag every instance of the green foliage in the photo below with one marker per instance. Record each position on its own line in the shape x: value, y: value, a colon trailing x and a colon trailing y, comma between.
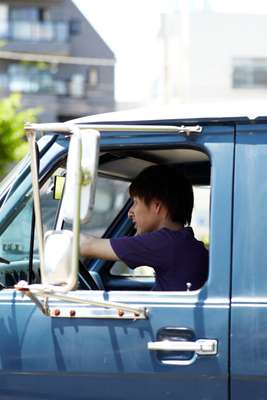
x: 13, y: 144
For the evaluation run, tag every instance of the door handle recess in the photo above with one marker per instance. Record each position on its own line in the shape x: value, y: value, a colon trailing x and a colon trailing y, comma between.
x: 202, y: 347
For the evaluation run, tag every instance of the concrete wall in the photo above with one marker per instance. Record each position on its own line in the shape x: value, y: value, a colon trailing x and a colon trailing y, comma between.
x: 201, y: 51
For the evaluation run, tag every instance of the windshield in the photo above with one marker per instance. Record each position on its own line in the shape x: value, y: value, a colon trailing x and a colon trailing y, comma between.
x: 17, y: 174
x: 11, y: 177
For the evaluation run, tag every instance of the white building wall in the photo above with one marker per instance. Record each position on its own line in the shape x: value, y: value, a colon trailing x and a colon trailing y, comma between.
x: 198, y: 52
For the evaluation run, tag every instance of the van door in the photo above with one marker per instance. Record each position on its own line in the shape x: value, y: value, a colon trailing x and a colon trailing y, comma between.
x: 249, y: 300
x: 105, y: 356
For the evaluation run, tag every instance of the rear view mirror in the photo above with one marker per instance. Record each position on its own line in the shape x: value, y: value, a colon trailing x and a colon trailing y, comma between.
x: 82, y: 166
x: 59, y: 182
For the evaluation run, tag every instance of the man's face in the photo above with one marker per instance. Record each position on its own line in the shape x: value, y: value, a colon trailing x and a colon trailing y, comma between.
x: 145, y: 217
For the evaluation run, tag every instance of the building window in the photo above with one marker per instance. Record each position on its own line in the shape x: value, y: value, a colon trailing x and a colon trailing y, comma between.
x: 34, y: 24
x: 4, y: 20
x: 30, y: 78
x: 250, y: 73
x: 75, y: 27
x: 25, y: 14
x: 76, y: 86
x: 93, y: 77
x: 61, y: 88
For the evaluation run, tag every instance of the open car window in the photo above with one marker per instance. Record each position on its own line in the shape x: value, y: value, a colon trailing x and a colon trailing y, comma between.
x: 196, y: 166
x: 200, y: 225
x: 111, y: 198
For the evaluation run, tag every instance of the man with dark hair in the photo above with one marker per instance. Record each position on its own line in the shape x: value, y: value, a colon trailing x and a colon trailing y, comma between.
x: 162, y: 207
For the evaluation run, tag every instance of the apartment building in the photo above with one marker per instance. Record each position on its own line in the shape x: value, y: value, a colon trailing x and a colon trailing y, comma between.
x: 209, y: 56
x: 51, y: 54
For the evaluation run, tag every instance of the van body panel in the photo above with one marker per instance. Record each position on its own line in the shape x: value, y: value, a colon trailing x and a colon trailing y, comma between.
x: 249, y: 299
x: 104, y: 358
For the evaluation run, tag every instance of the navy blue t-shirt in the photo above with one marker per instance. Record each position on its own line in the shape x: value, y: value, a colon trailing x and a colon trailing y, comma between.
x: 176, y: 256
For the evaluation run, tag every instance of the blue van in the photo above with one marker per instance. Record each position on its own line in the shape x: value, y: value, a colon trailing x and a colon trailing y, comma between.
x: 111, y: 337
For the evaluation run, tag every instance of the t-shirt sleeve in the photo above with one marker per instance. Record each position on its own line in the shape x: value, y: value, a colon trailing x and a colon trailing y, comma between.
x: 135, y: 251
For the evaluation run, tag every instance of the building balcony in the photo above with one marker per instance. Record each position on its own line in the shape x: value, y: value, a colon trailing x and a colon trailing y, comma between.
x: 35, y: 37
x: 57, y: 99
x: 35, y: 31
x: 45, y: 83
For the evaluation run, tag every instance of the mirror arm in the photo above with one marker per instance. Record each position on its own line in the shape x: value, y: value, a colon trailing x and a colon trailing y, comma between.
x: 43, y: 306
x: 33, y: 291
x: 36, y: 195
x: 138, y: 312
x: 76, y: 223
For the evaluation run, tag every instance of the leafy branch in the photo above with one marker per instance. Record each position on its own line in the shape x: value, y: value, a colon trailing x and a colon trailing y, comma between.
x: 13, y: 145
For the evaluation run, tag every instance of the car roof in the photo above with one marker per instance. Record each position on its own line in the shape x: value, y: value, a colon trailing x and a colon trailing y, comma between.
x: 241, y: 111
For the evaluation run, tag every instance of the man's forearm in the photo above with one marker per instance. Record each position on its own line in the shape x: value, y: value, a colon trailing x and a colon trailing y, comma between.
x: 92, y: 247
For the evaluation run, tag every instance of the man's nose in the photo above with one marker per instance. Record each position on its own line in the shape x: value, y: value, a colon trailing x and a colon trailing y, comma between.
x: 130, y: 213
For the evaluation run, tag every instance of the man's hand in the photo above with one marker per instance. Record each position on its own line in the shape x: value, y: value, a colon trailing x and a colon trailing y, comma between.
x: 92, y: 247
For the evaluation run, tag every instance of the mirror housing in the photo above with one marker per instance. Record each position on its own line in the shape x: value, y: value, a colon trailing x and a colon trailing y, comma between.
x: 61, y: 248
x: 59, y: 255
x: 58, y: 270
x: 82, y: 166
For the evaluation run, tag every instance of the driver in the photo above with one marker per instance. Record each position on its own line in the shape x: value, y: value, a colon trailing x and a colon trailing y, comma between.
x: 161, y: 213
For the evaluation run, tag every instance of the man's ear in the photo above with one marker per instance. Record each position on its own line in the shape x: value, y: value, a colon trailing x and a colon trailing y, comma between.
x: 157, y: 206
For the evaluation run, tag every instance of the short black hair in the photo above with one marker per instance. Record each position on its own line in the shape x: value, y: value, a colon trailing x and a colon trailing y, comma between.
x: 169, y: 186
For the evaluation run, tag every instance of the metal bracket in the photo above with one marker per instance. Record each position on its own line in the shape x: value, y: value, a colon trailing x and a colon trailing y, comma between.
x: 77, y: 307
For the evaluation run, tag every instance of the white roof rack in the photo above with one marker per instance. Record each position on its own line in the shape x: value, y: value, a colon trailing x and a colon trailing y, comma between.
x: 251, y: 110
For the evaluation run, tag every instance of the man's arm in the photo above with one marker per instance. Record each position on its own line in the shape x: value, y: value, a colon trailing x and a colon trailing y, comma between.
x: 92, y: 247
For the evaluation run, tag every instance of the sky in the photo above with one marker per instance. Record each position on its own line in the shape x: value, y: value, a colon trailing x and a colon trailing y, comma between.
x: 130, y: 29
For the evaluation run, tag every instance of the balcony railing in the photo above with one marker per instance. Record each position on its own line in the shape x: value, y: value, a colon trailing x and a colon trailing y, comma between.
x: 34, y: 31
x: 41, y: 84
x: 47, y: 84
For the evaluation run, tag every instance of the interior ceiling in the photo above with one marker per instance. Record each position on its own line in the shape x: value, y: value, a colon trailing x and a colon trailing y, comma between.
x: 127, y: 164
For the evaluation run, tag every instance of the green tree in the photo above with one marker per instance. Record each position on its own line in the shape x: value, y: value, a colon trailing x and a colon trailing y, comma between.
x: 13, y: 145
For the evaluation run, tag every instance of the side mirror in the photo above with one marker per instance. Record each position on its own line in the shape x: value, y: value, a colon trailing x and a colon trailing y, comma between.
x: 61, y: 248
x: 58, y: 251
x: 60, y: 254
x: 82, y: 167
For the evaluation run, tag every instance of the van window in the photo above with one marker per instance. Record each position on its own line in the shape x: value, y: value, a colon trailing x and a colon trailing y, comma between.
x: 15, y: 240
x: 199, y: 223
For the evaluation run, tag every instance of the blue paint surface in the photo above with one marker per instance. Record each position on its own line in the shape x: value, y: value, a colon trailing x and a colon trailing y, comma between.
x: 44, y: 358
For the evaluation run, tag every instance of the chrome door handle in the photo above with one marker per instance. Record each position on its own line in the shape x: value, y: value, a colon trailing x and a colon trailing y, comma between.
x: 202, y: 347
